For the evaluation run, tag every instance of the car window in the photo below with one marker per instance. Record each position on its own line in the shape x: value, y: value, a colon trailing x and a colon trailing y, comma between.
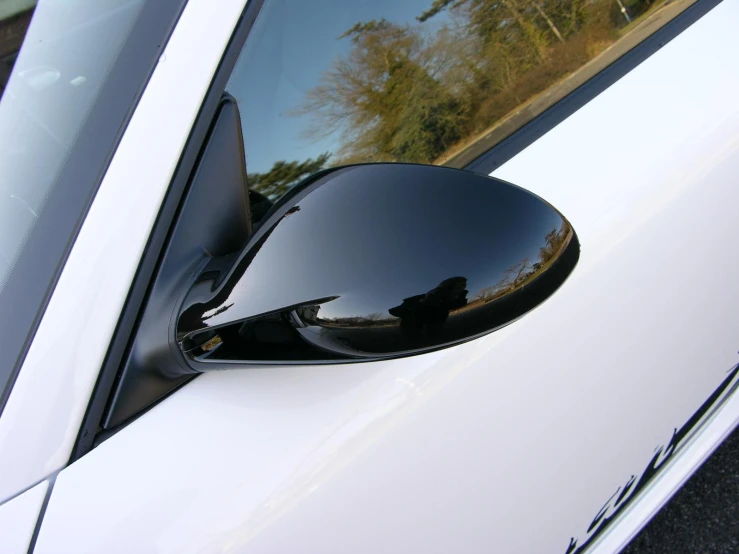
x: 333, y: 82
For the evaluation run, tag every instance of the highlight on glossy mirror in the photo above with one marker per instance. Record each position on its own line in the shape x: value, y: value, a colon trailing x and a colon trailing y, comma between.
x: 332, y: 82
x: 379, y: 260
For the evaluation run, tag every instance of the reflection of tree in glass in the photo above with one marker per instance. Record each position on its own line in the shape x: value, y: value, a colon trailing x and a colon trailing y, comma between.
x: 387, y: 98
x: 554, y: 241
x: 518, y: 274
x: 375, y: 319
x: 526, y: 21
x: 374, y: 316
x: 284, y: 175
x: 405, y: 94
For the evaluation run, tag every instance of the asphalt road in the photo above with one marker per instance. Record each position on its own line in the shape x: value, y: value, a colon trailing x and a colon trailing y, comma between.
x: 703, y: 517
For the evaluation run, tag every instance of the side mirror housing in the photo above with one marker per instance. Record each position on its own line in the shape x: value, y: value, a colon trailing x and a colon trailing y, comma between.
x: 356, y: 263
x: 377, y: 261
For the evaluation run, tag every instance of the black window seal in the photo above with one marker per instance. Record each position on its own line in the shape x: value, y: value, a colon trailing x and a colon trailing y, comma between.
x: 90, y: 434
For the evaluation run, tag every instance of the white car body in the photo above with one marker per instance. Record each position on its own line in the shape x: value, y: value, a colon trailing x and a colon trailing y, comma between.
x: 513, y: 442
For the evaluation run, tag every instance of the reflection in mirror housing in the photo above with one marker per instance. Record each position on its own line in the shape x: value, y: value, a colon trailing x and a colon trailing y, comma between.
x: 378, y: 261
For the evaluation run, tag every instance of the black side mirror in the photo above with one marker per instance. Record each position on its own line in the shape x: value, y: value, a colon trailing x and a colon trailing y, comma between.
x: 377, y: 261
x: 356, y: 263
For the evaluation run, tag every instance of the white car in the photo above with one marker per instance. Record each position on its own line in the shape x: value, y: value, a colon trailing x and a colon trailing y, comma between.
x: 243, y: 309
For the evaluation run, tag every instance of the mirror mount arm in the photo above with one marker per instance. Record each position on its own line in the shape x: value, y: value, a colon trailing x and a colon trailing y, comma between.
x: 211, y: 230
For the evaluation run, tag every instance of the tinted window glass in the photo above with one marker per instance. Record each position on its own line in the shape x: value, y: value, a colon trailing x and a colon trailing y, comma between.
x: 330, y: 82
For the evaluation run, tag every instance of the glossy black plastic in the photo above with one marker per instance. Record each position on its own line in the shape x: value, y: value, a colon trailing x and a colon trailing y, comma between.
x: 376, y: 261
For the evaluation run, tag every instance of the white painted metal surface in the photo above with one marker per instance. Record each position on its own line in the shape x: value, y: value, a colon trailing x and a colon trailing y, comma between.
x: 511, y: 443
x: 665, y: 484
x: 18, y: 519
x: 42, y: 417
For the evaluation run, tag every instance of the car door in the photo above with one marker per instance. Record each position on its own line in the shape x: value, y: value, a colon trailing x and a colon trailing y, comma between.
x: 530, y: 439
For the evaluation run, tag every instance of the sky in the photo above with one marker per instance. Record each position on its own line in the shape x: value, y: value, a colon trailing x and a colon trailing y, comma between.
x: 292, y: 44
